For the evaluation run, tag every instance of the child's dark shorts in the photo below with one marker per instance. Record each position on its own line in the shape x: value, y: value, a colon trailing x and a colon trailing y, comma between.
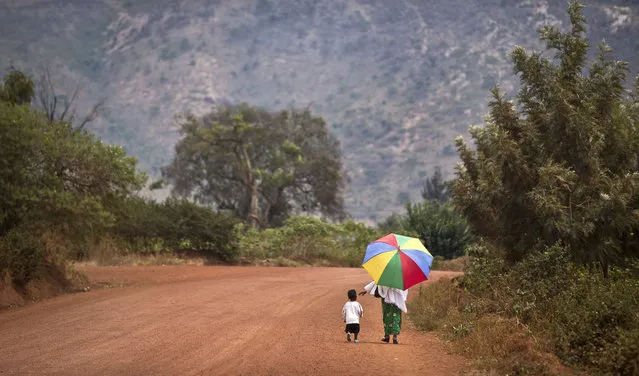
x: 352, y: 328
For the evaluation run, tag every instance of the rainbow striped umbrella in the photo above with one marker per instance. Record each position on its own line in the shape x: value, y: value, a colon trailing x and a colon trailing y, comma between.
x: 397, y: 261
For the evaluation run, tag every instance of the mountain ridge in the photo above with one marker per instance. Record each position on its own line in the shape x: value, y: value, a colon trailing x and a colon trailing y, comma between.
x: 397, y: 83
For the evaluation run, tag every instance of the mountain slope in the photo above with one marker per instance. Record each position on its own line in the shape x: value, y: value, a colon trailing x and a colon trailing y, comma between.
x: 397, y: 81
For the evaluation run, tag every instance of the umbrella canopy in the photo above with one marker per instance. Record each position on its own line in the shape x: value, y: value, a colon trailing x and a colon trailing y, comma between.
x: 397, y: 261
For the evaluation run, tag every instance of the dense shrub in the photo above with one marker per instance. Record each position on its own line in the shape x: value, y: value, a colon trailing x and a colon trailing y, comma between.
x: 596, y: 322
x: 443, y: 231
x: 22, y: 256
x: 551, y: 186
x: 174, y: 225
x: 309, y: 240
x: 587, y: 320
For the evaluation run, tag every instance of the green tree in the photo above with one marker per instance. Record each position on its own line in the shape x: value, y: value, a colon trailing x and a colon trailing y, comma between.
x: 394, y: 223
x: 53, y: 179
x: 435, y: 188
x: 260, y: 165
x: 561, y: 165
x: 49, y: 172
x: 17, y: 88
x: 443, y: 231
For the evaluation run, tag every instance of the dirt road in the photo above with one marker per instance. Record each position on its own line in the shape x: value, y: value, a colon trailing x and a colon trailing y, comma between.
x: 186, y: 320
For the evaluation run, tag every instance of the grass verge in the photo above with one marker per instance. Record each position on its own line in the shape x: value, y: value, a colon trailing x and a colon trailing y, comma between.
x: 497, y: 345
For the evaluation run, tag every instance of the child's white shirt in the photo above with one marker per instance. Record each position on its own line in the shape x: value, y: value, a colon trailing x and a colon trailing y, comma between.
x: 351, y: 312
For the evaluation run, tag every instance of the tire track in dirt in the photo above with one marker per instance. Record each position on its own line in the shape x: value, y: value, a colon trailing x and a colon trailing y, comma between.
x: 188, y: 320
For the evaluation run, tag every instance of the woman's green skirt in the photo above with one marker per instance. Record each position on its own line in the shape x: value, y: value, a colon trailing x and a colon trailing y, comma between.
x: 392, y: 318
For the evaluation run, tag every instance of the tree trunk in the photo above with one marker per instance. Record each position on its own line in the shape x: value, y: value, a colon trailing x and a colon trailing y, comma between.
x: 605, y: 268
x: 254, y: 214
x: 254, y: 208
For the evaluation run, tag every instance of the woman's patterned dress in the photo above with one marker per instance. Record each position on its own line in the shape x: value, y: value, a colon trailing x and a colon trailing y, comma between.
x: 392, y: 316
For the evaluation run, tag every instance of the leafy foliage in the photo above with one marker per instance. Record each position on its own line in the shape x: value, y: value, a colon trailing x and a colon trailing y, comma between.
x: 395, y: 223
x: 51, y: 174
x: 443, y: 231
x: 22, y: 255
x: 262, y: 166
x: 586, y: 319
x: 552, y: 190
x: 52, y: 179
x: 435, y: 188
x: 175, y: 225
x: 17, y: 88
x: 561, y: 166
x: 309, y: 240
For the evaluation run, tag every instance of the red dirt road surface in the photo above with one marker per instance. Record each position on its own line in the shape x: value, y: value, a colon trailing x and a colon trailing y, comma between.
x: 189, y: 320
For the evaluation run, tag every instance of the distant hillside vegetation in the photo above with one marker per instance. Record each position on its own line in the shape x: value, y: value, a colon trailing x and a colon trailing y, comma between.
x: 396, y: 80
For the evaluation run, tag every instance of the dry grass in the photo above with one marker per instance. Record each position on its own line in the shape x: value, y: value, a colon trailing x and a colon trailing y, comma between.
x: 55, y: 276
x: 455, y: 265
x: 9, y: 297
x: 431, y: 307
x: 499, y: 346
x: 504, y: 346
x: 109, y: 252
x: 144, y: 260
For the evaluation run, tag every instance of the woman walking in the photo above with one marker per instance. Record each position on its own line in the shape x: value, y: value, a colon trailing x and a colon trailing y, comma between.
x: 393, y: 303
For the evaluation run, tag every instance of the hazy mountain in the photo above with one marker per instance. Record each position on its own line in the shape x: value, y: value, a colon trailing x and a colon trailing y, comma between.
x: 397, y: 80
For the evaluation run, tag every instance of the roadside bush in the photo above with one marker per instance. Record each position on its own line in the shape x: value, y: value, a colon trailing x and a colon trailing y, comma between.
x: 596, y: 322
x: 456, y: 265
x: 22, y: 256
x: 308, y: 240
x: 175, y: 225
x: 35, y: 262
x: 498, y: 344
x: 587, y: 320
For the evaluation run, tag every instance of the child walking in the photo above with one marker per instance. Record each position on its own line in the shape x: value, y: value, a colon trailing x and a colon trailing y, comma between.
x: 351, y: 312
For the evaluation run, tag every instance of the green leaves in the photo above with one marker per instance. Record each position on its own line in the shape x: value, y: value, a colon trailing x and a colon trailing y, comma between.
x: 53, y: 180
x: 18, y: 88
x: 240, y: 155
x: 308, y: 240
x: 555, y: 167
x: 47, y: 169
x: 443, y: 231
x: 174, y: 225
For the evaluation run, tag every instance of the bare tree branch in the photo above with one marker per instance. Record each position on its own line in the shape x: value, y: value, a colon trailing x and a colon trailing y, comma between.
x: 48, y: 99
x: 95, y: 112
x: 69, y: 102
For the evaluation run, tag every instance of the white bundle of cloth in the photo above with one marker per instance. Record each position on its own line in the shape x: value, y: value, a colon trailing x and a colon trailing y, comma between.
x: 390, y: 294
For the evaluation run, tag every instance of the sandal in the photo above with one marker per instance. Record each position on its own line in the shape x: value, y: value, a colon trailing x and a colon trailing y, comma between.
x: 386, y: 339
x: 395, y: 342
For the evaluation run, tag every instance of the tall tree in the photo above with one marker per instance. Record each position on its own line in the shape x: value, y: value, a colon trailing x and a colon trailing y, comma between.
x: 562, y: 165
x: 443, y: 230
x: 17, y: 88
x: 48, y: 173
x: 435, y: 188
x: 261, y: 165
